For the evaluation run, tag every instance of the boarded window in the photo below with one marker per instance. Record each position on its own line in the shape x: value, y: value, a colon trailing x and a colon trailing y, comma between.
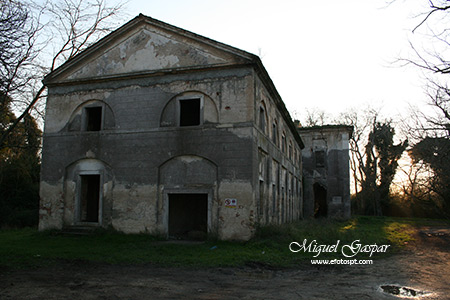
x: 190, y: 112
x: 93, y: 118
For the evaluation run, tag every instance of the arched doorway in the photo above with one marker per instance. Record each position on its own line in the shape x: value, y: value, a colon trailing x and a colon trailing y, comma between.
x: 320, y: 201
x: 188, y: 185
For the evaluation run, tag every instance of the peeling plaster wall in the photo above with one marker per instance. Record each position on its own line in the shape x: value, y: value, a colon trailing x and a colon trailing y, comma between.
x: 238, y: 222
x: 333, y: 174
x: 51, y: 205
x: 142, y: 154
x: 138, y: 145
x: 277, y: 168
x: 134, y: 208
x: 147, y: 49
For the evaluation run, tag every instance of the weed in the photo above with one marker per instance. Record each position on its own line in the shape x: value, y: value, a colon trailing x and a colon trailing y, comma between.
x: 270, y: 245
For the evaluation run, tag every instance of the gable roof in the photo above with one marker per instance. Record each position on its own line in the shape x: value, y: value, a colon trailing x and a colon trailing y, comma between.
x: 144, y: 34
x: 94, y: 63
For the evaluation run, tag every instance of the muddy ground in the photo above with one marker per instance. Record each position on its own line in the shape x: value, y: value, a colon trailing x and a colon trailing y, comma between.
x: 423, y: 266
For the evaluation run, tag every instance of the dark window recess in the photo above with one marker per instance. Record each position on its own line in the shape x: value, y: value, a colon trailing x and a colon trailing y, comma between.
x: 262, y: 119
x: 93, y: 118
x: 190, y: 112
x: 320, y: 158
x: 90, y: 198
x: 274, y: 134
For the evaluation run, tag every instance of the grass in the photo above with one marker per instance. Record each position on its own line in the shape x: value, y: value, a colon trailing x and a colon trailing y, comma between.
x: 270, y: 246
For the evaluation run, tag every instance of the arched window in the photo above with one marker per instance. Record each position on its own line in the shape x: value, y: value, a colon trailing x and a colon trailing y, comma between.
x: 262, y: 117
x: 275, y: 133
x: 92, y: 115
x: 188, y: 109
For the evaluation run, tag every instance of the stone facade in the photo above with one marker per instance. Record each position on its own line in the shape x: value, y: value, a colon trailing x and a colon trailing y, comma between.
x: 326, y: 170
x: 156, y: 129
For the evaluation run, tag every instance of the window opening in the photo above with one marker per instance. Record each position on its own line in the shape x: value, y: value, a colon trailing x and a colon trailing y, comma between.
x: 320, y: 158
x: 275, y: 134
x: 262, y: 119
x: 190, y: 112
x: 93, y: 118
x: 290, y: 150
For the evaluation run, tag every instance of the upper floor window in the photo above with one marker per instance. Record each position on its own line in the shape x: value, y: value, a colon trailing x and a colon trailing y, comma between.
x: 190, y: 112
x: 262, y: 119
x: 283, y: 143
x: 319, y: 156
x: 290, y: 150
x: 189, y: 109
x: 93, y: 118
x: 275, y: 133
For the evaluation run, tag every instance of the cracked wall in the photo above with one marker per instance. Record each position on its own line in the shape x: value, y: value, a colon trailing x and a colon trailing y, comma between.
x: 326, y: 164
x: 134, y: 82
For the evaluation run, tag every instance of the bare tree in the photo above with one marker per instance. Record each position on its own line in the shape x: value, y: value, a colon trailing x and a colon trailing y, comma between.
x: 429, y: 126
x: 16, y: 39
x: 315, y: 116
x: 49, y: 34
x: 373, y: 158
x: 361, y: 120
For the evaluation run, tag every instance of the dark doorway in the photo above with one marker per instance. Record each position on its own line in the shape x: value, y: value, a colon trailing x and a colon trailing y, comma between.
x: 189, y: 112
x: 90, y: 198
x: 320, y: 201
x: 188, y: 216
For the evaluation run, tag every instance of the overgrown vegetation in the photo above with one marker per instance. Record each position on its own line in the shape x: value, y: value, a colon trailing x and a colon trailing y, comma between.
x: 35, y: 38
x: 19, y: 169
x: 270, y: 246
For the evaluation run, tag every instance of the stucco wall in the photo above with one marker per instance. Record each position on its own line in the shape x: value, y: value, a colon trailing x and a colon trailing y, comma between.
x: 138, y: 77
x: 333, y: 175
x: 136, y: 146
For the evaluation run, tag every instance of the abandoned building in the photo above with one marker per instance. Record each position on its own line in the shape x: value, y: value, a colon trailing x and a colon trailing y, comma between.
x: 326, y: 171
x: 157, y: 129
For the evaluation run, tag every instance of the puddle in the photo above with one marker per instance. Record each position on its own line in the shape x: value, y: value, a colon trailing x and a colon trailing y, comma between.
x: 403, y: 292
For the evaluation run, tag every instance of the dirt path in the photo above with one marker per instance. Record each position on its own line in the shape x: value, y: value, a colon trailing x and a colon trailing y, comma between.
x: 424, y: 266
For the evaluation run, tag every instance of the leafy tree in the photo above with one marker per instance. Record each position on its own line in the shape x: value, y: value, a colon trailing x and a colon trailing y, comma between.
x: 373, y: 156
x: 380, y: 166
x: 19, y: 169
x: 35, y: 38
x: 434, y: 152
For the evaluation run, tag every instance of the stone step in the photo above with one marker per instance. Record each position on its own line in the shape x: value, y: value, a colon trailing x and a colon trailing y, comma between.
x: 79, y: 230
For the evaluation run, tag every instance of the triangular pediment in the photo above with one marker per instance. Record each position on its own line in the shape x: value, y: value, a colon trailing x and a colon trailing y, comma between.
x: 145, y: 45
